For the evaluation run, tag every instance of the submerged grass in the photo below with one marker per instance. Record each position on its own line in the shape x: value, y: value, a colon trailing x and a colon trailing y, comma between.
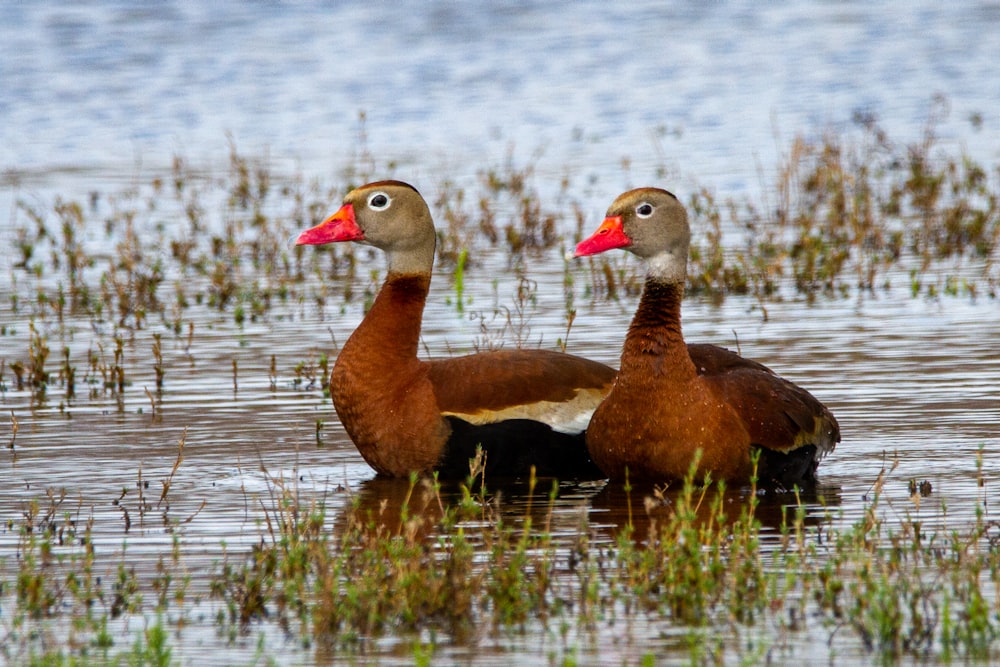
x: 435, y: 568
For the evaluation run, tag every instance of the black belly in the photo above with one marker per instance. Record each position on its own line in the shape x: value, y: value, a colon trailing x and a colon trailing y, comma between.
x: 513, y: 447
x: 781, y: 470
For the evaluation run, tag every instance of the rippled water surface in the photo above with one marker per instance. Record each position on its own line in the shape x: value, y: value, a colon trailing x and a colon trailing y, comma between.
x: 711, y: 92
x: 99, y: 96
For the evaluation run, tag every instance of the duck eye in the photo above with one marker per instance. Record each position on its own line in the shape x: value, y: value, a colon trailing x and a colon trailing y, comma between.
x: 644, y: 210
x: 379, y: 201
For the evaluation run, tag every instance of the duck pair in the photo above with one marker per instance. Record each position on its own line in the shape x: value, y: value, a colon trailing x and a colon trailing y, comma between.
x: 669, y: 405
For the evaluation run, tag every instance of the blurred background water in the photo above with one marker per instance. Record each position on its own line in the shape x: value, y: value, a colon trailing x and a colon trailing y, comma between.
x: 711, y: 91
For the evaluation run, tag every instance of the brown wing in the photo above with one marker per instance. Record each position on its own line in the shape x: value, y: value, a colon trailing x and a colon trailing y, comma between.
x: 715, y: 360
x: 778, y: 414
x: 512, y: 384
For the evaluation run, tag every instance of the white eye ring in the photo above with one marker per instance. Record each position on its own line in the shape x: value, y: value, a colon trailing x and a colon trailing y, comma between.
x: 644, y: 210
x: 379, y: 201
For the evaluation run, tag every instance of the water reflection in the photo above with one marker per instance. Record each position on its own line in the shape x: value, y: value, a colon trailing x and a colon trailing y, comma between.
x: 570, y: 509
x: 645, y: 509
x: 397, y: 506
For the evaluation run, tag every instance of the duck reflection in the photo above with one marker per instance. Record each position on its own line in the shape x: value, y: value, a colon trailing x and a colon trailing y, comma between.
x: 424, y: 508
x: 645, y: 509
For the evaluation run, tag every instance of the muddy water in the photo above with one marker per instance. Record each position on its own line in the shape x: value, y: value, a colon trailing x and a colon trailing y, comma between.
x: 100, y: 96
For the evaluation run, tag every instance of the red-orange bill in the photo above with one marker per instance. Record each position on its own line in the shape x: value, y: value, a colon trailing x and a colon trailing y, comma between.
x: 608, y: 236
x: 341, y: 226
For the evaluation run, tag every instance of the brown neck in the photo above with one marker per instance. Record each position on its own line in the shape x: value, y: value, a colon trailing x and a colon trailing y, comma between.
x: 392, y: 326
x: 655, y: 331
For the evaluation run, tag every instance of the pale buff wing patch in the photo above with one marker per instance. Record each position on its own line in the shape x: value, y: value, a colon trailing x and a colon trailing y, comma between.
x: 570, y: 417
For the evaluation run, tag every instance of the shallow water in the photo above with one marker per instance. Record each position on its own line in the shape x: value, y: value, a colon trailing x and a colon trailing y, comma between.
x: 98, y: 96
x: 910, y: 380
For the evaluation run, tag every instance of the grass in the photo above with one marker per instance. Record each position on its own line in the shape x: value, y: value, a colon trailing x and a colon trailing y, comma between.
x: 417, y: 561
x: 851, y: 215
x: 844, y: 215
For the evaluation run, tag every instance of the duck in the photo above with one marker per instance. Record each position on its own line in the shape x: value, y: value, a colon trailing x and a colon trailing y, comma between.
x: 524, y: 408
x: 665, y: 417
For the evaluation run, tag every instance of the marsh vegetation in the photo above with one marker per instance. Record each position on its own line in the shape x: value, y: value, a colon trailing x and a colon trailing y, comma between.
x: 165, y: 322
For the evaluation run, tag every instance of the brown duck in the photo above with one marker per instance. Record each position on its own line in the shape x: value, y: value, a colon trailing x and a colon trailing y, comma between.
x: 523, y: 407
x: 664, y: 410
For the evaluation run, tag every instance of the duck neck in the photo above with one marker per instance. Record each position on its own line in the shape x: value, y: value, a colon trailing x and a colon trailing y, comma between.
x: 392, y: 326
x: 656, y: 328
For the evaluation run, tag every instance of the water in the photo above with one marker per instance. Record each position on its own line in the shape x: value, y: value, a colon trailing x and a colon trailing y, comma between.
x: 99, y: 96
x: 709, y: 92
